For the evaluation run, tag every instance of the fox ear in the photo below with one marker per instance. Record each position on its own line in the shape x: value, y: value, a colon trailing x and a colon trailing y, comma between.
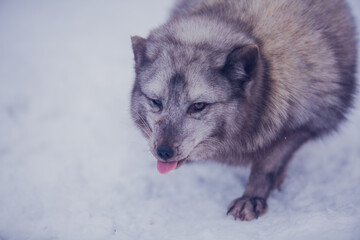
x: 241, y: 64
x: 139, y: 48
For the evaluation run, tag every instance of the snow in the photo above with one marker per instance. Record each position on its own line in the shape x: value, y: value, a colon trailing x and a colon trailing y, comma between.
x: 73, y: 165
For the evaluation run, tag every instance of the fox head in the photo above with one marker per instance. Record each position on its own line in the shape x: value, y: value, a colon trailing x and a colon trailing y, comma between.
x: 189, y: 97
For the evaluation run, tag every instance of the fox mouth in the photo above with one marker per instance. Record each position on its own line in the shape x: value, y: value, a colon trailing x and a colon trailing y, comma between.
x: 165, y: 167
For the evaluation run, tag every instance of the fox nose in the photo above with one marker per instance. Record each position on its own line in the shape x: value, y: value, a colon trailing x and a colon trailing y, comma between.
x: 165, y: 152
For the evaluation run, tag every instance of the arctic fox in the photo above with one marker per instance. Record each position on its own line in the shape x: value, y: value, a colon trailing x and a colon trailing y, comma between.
x: 244, y: 82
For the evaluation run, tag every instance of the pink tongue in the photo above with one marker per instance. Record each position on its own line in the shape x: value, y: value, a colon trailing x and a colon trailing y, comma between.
x: 164, y: 168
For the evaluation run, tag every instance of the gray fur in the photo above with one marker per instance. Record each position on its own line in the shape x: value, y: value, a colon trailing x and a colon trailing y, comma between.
x: 273, y: 73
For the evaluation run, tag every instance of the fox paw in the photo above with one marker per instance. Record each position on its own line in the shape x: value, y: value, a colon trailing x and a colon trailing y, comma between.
x: 247, y: 208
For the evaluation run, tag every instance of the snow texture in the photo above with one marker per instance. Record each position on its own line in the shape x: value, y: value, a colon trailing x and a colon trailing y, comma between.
x: 73, y: 165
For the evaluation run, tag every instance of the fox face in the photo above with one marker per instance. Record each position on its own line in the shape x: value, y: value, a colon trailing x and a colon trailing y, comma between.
x: 185, y: 97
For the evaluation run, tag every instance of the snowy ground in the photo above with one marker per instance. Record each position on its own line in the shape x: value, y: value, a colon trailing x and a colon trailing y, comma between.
x: 73, y: 166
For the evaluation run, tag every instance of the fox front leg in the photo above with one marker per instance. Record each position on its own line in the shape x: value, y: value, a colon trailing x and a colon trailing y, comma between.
x: 267, y: 173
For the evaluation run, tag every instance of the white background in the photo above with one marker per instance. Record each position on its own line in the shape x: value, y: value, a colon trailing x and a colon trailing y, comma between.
x: 73, y: 165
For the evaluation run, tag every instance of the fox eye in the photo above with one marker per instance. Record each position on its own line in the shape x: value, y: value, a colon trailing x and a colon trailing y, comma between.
x: 197, y: 107
x: 156, y: 103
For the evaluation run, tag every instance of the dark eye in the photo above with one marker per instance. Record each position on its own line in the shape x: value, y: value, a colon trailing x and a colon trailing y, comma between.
x: 197, y: 107
x: 156, y: 103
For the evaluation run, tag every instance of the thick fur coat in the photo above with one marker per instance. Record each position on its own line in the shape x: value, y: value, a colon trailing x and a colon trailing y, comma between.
x: 244, y: 82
